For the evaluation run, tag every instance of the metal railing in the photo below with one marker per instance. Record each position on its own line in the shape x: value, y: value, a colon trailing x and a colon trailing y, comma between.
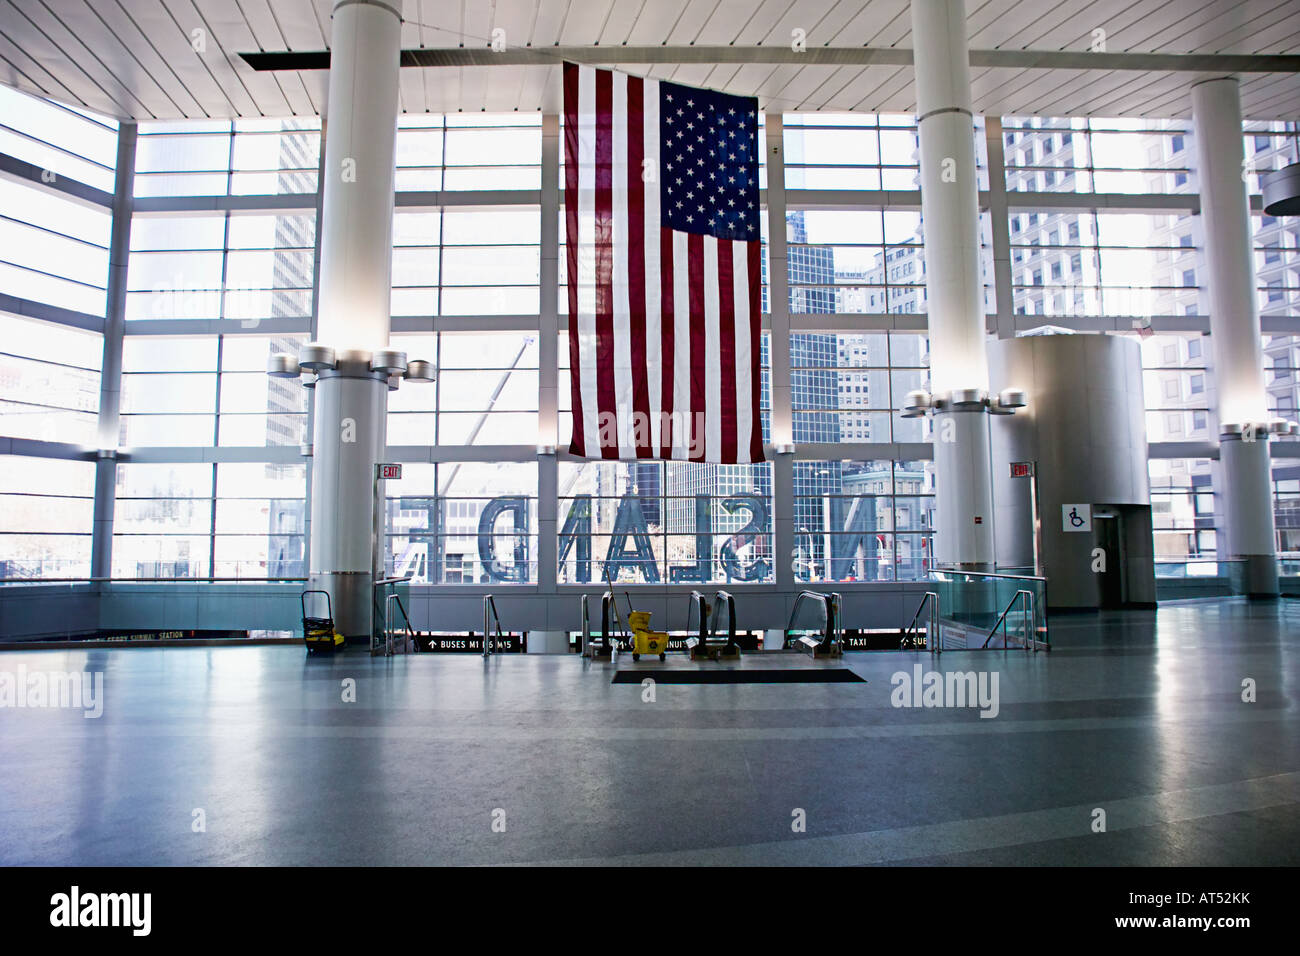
x: 1026, y: 601
x: 910, y: 639
x: 489, y: 639
x: 830, y: 605
x: 388, y: 631
x: 708, y: 622
x: 382, y: 589
x: 607, y: 601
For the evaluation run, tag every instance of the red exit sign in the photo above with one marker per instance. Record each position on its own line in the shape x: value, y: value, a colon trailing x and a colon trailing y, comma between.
x: 389, y: 471
x: 1022, y: 469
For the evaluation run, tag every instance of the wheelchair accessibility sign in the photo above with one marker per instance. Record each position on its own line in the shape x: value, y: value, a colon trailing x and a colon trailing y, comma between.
x: 1076, y: 517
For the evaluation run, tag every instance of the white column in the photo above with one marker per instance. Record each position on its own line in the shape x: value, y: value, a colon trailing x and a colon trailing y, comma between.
x: 778, y: 304
x: 356, y: 229
x: 959, y: 375
x: 360, y: 162
x: 1235, y: 333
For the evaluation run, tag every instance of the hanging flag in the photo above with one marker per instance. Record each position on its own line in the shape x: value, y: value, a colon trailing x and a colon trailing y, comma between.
x: 664, y: 269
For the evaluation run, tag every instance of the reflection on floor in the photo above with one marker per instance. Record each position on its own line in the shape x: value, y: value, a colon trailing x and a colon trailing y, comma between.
x: 450, y: 760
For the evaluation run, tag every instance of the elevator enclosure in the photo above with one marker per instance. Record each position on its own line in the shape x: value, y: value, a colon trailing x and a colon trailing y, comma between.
x: 1084, y: 433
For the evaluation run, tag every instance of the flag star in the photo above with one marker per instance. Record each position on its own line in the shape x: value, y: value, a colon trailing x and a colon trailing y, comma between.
x: 679, y: 204
x: 690, y: 103
x: 731, y: 112
x: 700, y: 208
x: 679, y: 180
x: 691, y: 149
x: 690, y: 218
x: 751, y: 227
x: 710, y: 222
x: 690, y: 195
x: 731, y: 202
x: 679, y: 134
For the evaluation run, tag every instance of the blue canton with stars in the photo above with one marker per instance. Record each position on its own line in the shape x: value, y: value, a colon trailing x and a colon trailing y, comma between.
x: 708, y: 147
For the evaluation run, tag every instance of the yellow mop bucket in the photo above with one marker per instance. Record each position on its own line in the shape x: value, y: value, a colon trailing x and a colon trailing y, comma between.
x: 644, y: 640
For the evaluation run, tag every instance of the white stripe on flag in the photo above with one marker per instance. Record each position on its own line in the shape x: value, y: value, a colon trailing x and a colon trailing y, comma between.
x: 619, y: 235
x: 744, y: 397
x: 653, y: 329
x: 586, y: 371
x: 712, y: 353
x: 682, y: 412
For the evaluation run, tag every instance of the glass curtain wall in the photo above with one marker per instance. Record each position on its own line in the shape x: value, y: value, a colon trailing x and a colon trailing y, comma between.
x: 211, y: 480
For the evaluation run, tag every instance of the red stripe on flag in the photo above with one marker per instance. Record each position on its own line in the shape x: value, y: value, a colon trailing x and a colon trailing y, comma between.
x: 755, y: 258
x: 605, y: 354
x: 636, y: 278
x: 577, y: 444
x: 666, y: 357
x: 699, y: 369
x: 727, y: 348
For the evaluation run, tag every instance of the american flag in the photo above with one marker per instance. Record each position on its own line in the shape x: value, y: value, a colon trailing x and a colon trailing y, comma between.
x: 664, y: 269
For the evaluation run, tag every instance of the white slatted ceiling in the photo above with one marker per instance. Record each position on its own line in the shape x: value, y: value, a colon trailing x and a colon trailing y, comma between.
x: 134, y: 58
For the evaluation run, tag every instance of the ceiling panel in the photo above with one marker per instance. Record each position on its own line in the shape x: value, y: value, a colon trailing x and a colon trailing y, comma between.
x: 134, y: 58
x: 128, y: 35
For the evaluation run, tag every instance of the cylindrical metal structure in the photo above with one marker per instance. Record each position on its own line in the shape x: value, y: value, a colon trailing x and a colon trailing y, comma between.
x: 349, y: 440
x: 355, y: 280
x: 356, y: 253
x: 1281, y: 190
x: 954, y: 291
x: 1084, y: 431
x: 1235, y: 330
x: 963, y: 503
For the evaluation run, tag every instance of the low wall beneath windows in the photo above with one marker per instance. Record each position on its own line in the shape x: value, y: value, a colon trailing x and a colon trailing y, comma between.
x: 37, y: 611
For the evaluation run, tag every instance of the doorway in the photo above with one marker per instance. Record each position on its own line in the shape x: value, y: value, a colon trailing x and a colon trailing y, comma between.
x: 1108, y: 535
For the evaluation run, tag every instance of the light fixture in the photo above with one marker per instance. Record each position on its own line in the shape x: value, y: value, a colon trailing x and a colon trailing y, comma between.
x: 418, y: 370
x: 282, y: 365
x: 918, y: 402
x: 1012, y: 398
x: 391, y: 361
x: 968, y: 397
x: 316, y: 357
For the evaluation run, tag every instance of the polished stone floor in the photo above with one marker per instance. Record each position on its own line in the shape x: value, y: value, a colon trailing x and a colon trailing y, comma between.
x: 450, y: 760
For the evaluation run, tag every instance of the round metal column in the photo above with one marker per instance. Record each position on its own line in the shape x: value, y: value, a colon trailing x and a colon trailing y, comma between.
x: 353, y: 316
x: 950, y: 210
x: 1235, y: 331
